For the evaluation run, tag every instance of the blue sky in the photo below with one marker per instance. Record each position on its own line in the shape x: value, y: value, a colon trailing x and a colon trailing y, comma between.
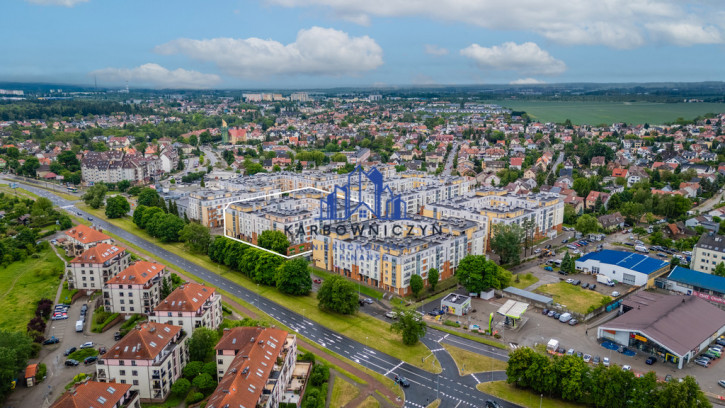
x: 327, y: 43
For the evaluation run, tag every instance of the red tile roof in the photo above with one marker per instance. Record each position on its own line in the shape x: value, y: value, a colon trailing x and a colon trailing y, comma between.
x: 99, y: 254
x: 31, y: 370
x: 138, y: 274
x: 187, y: 298
x: 86, y: 234
x: 144, y: 343
x: 92, y: 394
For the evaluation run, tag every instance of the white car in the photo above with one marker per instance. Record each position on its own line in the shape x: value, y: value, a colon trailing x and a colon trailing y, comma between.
x: 570, y: 281
x: 627, y: 367
x: 615, y: 294
x: 605, y: 361
x: 587, y: 358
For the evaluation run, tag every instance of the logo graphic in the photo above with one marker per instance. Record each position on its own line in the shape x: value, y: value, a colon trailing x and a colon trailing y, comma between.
x: 340, y: 203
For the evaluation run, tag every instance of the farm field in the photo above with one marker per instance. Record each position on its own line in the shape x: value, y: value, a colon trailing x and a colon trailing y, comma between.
x: 594, y: 113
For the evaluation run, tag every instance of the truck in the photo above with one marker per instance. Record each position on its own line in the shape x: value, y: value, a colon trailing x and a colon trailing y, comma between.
x: 605, y: 280
x: 641, y: 248
x: 79, y: 326
x: 552, y: 346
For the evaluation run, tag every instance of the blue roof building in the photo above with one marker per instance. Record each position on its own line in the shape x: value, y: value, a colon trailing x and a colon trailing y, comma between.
x: 703, y: 285
x: 621, y: 266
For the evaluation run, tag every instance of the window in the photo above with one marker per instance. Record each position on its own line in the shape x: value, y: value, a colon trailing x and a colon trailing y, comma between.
x: 220, y: 361
x: 134, y: 373
x: 135, y: 382
x: 122, y: 372
x: 123, y: 309
x: 123, y: 381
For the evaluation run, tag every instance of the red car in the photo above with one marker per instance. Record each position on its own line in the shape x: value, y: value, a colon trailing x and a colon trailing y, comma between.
x: 317, y: 280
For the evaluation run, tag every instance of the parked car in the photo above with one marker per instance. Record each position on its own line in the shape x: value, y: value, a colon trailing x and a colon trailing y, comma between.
x: 573, y: 322
x: 569, y: 280
x: 545, y: 311
x: 88, y: 344
x: 721, y: 383
x: 368, y: 301
x: 51, y: 340
x: 605, y: 361
x: 557, y: 315
x: 317, y: 280
x: 565, y: 241
x: 579, y: 354
x: 570, y: 352
x: 71, y: 362
x: 627, y: 367
x: 576, y: 282
x: 102, y: 350
x: 650, y: 360
x: 492, y: 404
x: 90, y: 360
x: 587, y: 358
x: 564, y: 318
x: 592, y: 286
x: 585, y: 285
x: 117, y: 336
x: 391, y: 315
x: 551, y: 313
x: 402, y: 381
x: 704, y: 363
x: 548, y: 268
x: 69, y: 351
x: 615, y: 294
x: 90, y: 218
x: 597, y: 360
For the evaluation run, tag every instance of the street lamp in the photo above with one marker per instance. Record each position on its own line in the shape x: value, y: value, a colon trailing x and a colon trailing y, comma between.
x: 541, y: 400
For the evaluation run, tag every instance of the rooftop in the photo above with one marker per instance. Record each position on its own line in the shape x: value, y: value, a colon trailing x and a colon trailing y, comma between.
x: 711, y: 242
x: 138, y: 274
x: 92, y: 394
x: 99, y: 254
x: 630, y: 260
x: 86, y: 234
x: 144, y: 343
x: 186, y: 298
x: 698, y: 279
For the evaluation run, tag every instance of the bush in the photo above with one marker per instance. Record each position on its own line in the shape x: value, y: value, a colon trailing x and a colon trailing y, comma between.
x: 181, y: 387
x: 194, y: 397
x: 320, y: 375
x: 192, y: 369
x: 451, y: 323
x: 36, y: 324
x: 205, y: 383
x: 131, y: 323
x: 306, y: 356
x: 44, y: 308
x: 42, y: 371
x: 81, y: 354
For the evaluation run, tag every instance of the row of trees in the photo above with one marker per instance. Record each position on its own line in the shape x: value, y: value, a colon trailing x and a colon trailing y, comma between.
x: 477, y: 274
x: 571, y: 379
x: 159, y: 224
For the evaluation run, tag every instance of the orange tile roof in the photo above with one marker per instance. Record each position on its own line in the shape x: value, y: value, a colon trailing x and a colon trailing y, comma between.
x: 31, y: 370
x: 244, y: 381
x: 86, y: 234
x: 187, y: 298
x: 144, y: 343
x: 99, y: 254
x: 93, y: 394
x: 138, y: 274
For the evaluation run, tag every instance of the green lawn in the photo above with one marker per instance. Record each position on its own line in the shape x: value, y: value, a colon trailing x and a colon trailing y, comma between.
x: 573, y: 297
x: 66, y: 294
x: 361, y: 327
x: 434, y: 404
x: 342, y: 392
x: 525, y: 280
x: 23, y: 284
x: 594, y: 113
x: 369, y: 402
x: 475, y: 337
x: 471, y: 362
x: 526, y: 398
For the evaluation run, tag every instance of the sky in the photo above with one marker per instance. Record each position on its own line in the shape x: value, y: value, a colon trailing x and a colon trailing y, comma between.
x: 258, y: 44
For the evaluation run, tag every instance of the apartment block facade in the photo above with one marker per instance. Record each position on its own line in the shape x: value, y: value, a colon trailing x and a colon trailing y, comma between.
x: 708, y: 253
x: 190, y: 306
x: 91, y: 269
x: 136, y: 289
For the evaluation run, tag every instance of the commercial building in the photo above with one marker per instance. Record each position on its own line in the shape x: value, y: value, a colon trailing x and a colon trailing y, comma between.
x: 672, y: 328
x: 703, y: 285
x: 708, y: 253
x: 255, y: 365
x: 82, y: 237
x: 456, y: 304
x: 190, y: 306
x: 91, y: 269
x: 136, y: 289
x: 626, y: 267
x: 149, y: 358
x: 94, y: 394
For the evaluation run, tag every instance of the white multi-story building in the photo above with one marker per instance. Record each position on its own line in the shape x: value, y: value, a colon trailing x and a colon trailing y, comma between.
x: 91, y: 269
x: 149, y: 358
x: 256, y: 361
x: 708, y: 253
x: 190, y: 306
x: 136, y: 289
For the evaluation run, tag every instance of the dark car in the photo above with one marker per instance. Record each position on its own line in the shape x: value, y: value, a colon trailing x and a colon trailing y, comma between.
x: 51, y: 340
x: 102, y: 350
x: 69, y: 351
x: 71, y: 362
x: 650, y: 360
x: 576, y: 282
x: 402, y: 381
x: 545, y: 311
x: 557, y: 315
x: 492, y: 404
x: 573, y: 322
x: 90, y: 360
x: 90, y: 218
x: 565, y: 241
x: 117, y: 336
x: 585, y: 285
x: 592, y: 286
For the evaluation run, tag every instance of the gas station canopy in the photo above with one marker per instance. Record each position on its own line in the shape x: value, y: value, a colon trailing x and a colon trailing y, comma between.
x: 513, y: 309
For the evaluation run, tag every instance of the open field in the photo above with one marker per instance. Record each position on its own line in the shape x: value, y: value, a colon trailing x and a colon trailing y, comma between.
x: 594, y: 113
x: 573, y: 297
x: 343, y: 392
x: 469, y: 362
x: 526, y: 398
x: 369, y: 402
x: 23, y: 284
x: 525, y: 280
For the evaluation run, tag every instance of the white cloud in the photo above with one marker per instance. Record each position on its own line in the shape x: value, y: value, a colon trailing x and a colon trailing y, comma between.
x: 614, y: 23
x: 435, y: 50
x: 156, y: 76
x: 65, y: 3
x: 526, y: 58
x: 316, y: 51
x: 526, y: 81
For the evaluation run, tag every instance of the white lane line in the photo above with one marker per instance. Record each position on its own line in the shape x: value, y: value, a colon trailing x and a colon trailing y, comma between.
x: 474, y: 377
x: 393, y: 369
x: 459, y: 403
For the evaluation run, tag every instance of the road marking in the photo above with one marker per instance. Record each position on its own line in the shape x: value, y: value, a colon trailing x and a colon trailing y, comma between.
x: 393, y: 369
x: 474, y: 377
x: 440, y: 349
x: 459, y: 403
x: 442, y: 338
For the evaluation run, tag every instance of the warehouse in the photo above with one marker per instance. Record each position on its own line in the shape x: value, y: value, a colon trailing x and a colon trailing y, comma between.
x: 703, y: 285
x: 626, y: 267
x: 673, y: 328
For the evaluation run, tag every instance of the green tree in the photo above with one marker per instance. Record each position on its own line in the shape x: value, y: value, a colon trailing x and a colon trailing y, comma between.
x: 117, y: 207
x: 587, y: 224
x: 195, y: 237
x: 506, y: 241
x: 95, y: 195
x: 416, y: 284
x: 265, y: 270
x: 165, y: 288
x: 682, y: 394
x: 410, y: 324
x: 293, y: 277
x: 433, y: 277
x: 274, y: 240
x: 205, y: 383
x: 15, y: 350
x: 181, y: 387
x: 123, y: 185
x: 201, y: 344
x: 337, y: 294
x: 192, y: 369
x: 470, y: 272
x: 569, y: 214
x: 150, y: 198
x: 719, y: 269
x: 567, y: 264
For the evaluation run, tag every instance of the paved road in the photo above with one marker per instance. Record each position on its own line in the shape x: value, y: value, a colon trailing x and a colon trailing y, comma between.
x: 453, y: 389
x: 449, y: 163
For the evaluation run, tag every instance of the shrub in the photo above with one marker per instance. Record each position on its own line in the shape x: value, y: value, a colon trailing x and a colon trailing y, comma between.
x: 451, y: 323
x: 320, y: 374
x: 42, y: 371
x: 306, y: 356
x: 36, y: 324
x: 181, y: 387
x: 44, y: 308
x: 192, y: 369
x: 194, y: 397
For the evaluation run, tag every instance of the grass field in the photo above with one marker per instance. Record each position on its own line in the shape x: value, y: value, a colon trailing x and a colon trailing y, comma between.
x: 23, y: 284
x: 369, y: 402
x: 572, y: 297
x: 526, y: 398
x: 472, y: 362
x: 434, y: 404
x: 361, y: 327
x: 594, y: 113
x: 525, y: 280
x: 342, y: 392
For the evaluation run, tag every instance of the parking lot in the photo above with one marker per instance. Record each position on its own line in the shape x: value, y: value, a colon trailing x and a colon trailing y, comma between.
x: 59, y: 375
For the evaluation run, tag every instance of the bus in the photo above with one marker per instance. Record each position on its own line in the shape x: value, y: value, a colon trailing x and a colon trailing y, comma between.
x: 72, y: 189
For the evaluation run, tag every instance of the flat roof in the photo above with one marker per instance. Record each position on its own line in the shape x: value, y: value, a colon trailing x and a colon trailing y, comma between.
x: 630, y: 260
x: 698, y: 279
x: 679, y: 323
x: 513, y: 308
x: 456, y: 298
x: 529, y: 295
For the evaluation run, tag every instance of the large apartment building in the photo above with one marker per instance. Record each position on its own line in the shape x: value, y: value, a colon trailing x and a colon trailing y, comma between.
x: 207, y: 206
x: 82, y: 237
x: 91, y: 269
x: 136, y: 289
x: 94, y: 394
x: 149, y: 358
x: 190, y: 306
x: 115, y: 166
x: 708, y: 253
x: 255, y: 365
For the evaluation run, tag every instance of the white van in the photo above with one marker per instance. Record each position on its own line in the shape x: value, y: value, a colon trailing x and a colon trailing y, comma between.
x: 565, y: 317
x: 79, y: 326
x: 641, y: 248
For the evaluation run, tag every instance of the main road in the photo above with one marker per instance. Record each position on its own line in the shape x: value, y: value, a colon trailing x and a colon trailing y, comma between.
x: 453, y: 389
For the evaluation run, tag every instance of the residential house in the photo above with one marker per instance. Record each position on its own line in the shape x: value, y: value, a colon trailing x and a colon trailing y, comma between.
x: 91, y: 269
x: 190, y: 306
x: 136, y: 289
x: 611, y: 221
x: 595, y: 196
x: 81, y: 238
x: 94, y: 394
x: 516, y: 162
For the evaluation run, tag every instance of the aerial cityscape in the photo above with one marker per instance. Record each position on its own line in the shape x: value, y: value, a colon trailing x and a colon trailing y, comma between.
x: 327, y: 204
